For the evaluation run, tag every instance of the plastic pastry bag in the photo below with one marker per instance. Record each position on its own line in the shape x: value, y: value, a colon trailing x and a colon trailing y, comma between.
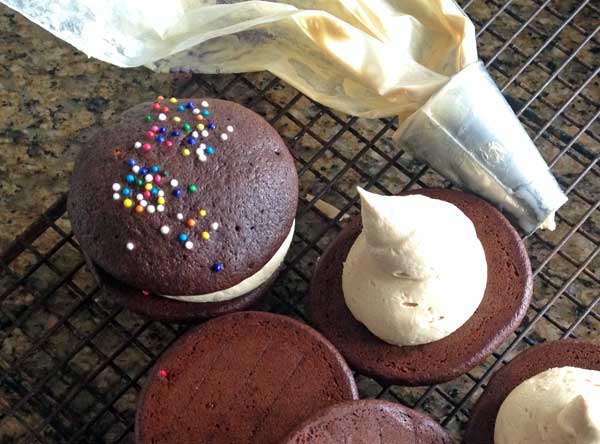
x: 370, y: 58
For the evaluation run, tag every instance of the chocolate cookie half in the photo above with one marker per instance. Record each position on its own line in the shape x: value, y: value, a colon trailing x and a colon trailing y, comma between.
x: 505, y: 302
x: 246, y: 377
x: 535, y: 360
x: 368, y: 421
x: 192, y: 200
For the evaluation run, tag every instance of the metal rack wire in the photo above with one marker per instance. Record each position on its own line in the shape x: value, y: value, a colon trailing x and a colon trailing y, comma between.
x: 72, y: 363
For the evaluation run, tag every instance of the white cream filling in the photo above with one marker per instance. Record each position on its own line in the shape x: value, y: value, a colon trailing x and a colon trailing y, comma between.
x: 558, y: 406
x: 248, y: 284
x: 417, y: 271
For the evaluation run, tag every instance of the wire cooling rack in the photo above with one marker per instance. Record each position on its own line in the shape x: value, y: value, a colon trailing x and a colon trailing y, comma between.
x: 72, y: 363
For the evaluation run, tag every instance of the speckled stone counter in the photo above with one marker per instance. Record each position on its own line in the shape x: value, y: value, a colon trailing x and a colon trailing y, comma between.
x: 51, y: 95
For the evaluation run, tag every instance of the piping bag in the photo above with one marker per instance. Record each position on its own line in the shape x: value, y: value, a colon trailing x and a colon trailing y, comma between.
x: 415, y: 59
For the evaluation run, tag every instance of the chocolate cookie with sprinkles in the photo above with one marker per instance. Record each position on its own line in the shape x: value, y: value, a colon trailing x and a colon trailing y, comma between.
x: 185, y: 207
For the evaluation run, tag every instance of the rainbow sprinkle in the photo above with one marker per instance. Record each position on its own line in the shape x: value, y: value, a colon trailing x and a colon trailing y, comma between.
x: 142, y: 190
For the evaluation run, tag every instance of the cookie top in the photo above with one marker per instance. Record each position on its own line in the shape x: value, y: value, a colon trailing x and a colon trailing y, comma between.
x: 245, y: 377
x: 183, y: 198
x: 504, y: 304
x: 531, y: 362
x: 368, y: 421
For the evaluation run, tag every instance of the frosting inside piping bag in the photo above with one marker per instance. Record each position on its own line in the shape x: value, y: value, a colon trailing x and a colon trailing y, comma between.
x: 416, y: 272
x: 365, y: 57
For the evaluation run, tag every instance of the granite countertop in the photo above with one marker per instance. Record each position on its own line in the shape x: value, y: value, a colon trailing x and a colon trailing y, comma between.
x: 51, y: 95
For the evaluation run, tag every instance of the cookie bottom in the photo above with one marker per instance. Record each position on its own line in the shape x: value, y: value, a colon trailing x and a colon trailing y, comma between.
x: 531, y: 362
x: 244, y: 378
x: 165, y: 309
x: 368, y: 421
